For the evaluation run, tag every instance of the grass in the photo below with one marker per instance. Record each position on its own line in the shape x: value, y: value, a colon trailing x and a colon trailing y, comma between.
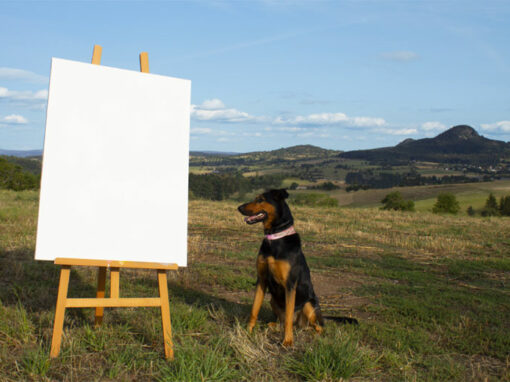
x: 431, y: 294
x: 468, y: 194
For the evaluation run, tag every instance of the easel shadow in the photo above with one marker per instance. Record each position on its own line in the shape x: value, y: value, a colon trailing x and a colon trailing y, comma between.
x: 229, y: 312
x: 34, y: 284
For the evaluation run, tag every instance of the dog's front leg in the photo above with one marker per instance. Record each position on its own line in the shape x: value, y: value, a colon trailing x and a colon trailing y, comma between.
x: 257, y: 303
x: 290, y: 303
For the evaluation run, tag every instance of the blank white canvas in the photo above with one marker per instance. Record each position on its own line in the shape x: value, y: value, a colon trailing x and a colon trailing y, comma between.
x: 115, y: 167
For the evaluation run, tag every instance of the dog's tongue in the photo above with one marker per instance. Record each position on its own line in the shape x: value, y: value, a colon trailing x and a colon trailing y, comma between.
x: 250, y: 219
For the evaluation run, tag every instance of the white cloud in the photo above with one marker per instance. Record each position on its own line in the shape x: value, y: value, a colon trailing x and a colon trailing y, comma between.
x: 433, y: 125
x: 397, y: 131
x: 215, y: 110
x: 323, y: 119
x: 200, y: 130
x: 25, y: 95
x: 12, y: 74
x: 501, y: 126
x: 367, y: 121
x: 14, y: 119
x: 400, y: 55
x: 212, y: 104
x: 292, y: 129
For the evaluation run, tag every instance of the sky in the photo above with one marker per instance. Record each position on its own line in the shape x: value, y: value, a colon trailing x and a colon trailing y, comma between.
x: 267, y: 74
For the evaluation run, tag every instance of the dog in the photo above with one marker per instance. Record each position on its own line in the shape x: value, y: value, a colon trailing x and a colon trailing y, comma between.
x: 281, y: 266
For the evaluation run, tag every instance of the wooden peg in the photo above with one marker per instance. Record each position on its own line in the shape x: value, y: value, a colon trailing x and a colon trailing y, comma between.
x: 144, y: 62
x: 96, y: 55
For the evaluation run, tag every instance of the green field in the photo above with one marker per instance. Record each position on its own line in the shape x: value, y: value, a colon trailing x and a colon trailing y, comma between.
x: 431, y: 293
x: 468, y: 194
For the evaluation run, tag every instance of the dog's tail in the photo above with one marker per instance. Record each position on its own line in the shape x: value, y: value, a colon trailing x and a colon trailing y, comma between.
x: 342, y: 320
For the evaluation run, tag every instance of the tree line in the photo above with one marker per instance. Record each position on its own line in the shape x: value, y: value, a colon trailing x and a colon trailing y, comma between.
x: 365, y: 179
x: 13, y: 177
x: 224, y: 186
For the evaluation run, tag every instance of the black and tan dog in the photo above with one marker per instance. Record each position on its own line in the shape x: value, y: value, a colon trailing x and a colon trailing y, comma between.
x: 281, y: 266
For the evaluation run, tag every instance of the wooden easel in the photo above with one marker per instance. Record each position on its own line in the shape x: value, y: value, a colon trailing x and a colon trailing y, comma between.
x: 100, y: 302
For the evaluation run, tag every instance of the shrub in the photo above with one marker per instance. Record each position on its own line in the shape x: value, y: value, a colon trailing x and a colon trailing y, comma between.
x: 356, y: 187
x: 446, y: 203
x: 395, y: 201
x: 470, y: 211
x: 328, y: 186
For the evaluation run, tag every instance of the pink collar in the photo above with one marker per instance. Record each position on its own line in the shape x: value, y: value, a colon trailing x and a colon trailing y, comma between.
x: 279, y: 235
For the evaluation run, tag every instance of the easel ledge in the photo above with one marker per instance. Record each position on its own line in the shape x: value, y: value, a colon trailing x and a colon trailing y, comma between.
x: 115, y: 264
x: 100, y: 302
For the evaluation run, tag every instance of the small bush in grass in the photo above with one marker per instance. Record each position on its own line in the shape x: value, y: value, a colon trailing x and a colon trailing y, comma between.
x: 470, y: 211
x: 446, y: 203
x: 314, y: 200
x: 328, y: 358
x: 395, y: 201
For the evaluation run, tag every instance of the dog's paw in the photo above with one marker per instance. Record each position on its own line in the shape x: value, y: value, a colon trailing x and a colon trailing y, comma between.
x: 318, y: 329
x: 288, y: 342
x: 250, y: 327
x: 273, y: 325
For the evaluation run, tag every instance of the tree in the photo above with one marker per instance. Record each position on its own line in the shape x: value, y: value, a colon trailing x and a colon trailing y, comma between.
x: 504, y: 205
x: 328, y: 186
x: 395, y: 201
x: 491, y: 202
x: 491, y: 206
x: 293, y: 186
x: 446, y: 203
x: 470, y: 211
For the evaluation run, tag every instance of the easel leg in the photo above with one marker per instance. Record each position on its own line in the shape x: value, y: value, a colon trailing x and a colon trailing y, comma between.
x: 114, y: 282
x: 58, y: 325
x: 101, y: 281
x: 165, y: 314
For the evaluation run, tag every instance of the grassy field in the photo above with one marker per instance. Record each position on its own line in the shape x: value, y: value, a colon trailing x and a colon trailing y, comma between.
x: 431, y: 293
x: 468, y: 194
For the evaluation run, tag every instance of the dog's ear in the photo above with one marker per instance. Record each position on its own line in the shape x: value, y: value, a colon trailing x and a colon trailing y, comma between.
x: 281, y: 194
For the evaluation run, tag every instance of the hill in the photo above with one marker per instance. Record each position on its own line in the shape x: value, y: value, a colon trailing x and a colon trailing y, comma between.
x: 292, y: 153
x: 211, y: 153
x: 21, y: 153
x: 459, y: 144
x: 272, y: 157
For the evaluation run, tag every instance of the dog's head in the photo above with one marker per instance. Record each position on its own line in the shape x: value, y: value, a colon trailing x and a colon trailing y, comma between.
x: 269, y: 208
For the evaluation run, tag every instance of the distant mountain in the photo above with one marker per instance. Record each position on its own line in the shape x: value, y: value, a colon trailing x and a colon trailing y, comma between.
x: 293, y: 153
x: 21, y: 153
x: 211, y: 153
x: 273, y: 157
x: 459, y: 144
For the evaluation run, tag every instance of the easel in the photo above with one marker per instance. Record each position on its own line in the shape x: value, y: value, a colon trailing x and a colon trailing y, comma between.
x: 100, y: 302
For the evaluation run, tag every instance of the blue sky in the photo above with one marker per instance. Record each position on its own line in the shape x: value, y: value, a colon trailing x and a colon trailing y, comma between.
x: 268, y: 74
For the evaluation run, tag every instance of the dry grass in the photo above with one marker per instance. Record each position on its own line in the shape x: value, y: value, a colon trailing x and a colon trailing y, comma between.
x: 431, y: 293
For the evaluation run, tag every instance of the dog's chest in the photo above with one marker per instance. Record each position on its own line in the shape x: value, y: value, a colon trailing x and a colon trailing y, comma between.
x: 273, y: 266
